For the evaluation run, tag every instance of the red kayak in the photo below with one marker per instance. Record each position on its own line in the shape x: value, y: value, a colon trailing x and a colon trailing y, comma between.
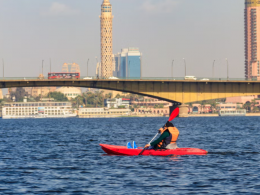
x: 123, y: 150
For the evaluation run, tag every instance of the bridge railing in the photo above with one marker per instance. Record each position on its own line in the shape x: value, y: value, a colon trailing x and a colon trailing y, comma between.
x: 137, y: 78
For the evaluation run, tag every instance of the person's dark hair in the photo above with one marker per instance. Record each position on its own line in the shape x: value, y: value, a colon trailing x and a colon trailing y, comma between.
x: 169, y: 124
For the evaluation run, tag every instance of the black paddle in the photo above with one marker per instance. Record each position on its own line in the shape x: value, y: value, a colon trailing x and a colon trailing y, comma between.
x: 175, y: 113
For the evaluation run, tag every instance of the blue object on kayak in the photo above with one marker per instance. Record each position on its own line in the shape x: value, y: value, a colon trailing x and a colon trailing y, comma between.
x: 134, y: 145
x: 128, y: 145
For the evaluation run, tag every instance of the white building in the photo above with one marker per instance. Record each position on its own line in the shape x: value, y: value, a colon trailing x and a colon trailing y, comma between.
x: 37, y: 110
x: 116, y: 102
x: 70, y: 92
x: 102, y: 112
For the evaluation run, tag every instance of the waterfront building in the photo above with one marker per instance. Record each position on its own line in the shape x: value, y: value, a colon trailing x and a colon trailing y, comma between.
x: 102, y: 112
x: 229, y: 109
x: 39, y: 91
x: 37, y: 110
x: 152, y: 111
x: 70, y: 67
x: 70, y: 92
x: 128, y: 63
x: 113, y: 93
x: 47, y: 99
x: 228, y: 106
x: 252, y: 39
x: 106, y: 28
x: 28, y: 90
x: 251, y: 102
x: 117, y: 102
x: 241, y: 99
x: 36, y: 91
x: 13, y: 89
x: 199, y: 109
x: 33, y: 91
x: 150, y: 102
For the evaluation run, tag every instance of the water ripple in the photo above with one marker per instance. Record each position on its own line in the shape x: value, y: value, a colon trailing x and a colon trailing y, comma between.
x: 57, y: 156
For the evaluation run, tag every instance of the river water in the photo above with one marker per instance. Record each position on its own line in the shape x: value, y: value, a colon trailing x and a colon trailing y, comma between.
x: 63, y: 156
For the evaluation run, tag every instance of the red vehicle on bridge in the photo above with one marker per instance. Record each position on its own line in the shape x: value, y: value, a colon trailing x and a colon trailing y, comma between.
x: 63, y: 75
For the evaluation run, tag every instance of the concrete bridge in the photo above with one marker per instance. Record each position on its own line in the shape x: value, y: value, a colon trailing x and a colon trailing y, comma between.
x: 176, y: 91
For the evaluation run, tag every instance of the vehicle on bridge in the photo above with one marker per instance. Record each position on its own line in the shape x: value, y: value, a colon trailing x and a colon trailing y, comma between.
x: 63, y: 75
x: 87, y: 78
x: 190, y: 78
x: 112, y: 78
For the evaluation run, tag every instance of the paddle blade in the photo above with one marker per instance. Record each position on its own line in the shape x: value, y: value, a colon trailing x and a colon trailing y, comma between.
x: 174, y: 113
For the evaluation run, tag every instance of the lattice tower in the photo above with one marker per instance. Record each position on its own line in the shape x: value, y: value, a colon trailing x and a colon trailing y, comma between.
x: 106, y: 27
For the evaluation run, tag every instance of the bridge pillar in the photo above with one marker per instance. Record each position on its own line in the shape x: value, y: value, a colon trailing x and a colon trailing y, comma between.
x: 183, y: 110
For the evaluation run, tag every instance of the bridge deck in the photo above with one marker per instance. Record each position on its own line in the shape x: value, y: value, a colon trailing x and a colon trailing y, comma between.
x: 176, y: 91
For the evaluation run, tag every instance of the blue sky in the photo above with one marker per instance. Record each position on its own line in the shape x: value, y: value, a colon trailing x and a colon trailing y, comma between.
x: 69, y: 31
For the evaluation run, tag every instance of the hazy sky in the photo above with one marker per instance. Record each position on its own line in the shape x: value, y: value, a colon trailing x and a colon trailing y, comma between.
x: 69, y: 31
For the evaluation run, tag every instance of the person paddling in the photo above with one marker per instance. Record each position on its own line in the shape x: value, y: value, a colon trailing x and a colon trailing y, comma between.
x: 168, y: 138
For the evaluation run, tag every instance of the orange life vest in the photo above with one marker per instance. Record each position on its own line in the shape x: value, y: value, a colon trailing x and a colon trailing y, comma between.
x: 174, y: 134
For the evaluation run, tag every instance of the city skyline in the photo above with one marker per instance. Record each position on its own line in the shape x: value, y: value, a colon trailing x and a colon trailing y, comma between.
x: 33, y: 31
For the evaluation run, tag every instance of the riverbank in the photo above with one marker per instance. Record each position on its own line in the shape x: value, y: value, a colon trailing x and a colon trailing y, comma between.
x: 253, y: 114
x: 202, y: 115
x: 189, y: 115
x: 145, y: 115
x: 215, y: 115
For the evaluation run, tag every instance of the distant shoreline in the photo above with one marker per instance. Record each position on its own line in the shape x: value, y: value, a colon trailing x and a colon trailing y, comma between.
x: 151, y: 116
x: 192, y: 115
x: 215, y: 115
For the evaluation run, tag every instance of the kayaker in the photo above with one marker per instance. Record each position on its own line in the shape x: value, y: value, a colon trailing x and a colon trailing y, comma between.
x: 168, y: 138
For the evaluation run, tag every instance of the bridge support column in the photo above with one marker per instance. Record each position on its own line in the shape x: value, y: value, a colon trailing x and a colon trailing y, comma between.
x: 183, y: 110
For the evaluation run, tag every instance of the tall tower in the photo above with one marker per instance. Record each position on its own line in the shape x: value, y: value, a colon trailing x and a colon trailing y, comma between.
x: 106, y: 27
x: 252, y: 39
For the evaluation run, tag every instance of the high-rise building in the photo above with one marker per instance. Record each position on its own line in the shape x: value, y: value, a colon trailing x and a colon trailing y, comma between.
x: 98, y: 67
x: 252, y: 39
x: 128, y: 63
x: 70, y: 67
x: 98, y: 70
x: 1, y: 94
x: 106, y: 27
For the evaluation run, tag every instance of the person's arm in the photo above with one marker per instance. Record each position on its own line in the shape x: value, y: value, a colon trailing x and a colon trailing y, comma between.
x: 163, y: 136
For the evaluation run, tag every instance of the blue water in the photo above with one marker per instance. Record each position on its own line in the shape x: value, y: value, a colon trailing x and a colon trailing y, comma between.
x: 62, y: 156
